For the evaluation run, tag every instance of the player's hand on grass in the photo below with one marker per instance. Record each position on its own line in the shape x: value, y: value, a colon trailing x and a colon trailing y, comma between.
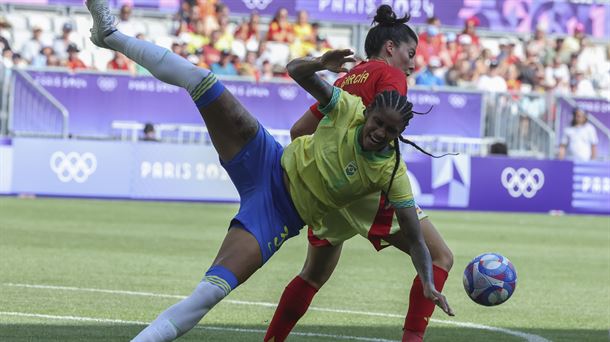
x: 334, y: 60
x: 438, y: 299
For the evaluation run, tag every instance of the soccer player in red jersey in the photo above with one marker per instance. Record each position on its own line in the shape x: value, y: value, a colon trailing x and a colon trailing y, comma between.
x: 390, y: 47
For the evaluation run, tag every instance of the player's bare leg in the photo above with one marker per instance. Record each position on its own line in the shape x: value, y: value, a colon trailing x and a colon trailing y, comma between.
x: 296, y: 298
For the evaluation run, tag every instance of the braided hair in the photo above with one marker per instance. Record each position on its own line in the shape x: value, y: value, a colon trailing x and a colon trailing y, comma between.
x: 388, y: 27
x: 393, y: 100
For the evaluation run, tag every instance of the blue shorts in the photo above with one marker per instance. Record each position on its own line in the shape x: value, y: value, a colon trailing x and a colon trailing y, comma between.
x: 266, y: 209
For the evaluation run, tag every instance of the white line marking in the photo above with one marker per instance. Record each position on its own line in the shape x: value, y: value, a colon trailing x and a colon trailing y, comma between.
x: 119, y: 321
x: 525, y: 336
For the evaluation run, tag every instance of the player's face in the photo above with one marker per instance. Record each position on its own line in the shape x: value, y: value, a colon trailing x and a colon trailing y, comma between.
x: 380, y: 128
x: 403, y: 57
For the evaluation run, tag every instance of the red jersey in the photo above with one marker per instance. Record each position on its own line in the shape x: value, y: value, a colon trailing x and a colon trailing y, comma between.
x: 367, y: 79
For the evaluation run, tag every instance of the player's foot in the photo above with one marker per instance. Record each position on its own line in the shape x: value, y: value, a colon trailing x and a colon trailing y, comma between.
x: 412, y: 336
x: 103, y: 22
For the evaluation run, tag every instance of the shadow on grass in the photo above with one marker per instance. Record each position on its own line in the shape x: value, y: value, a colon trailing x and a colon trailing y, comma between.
x: 56, y: 331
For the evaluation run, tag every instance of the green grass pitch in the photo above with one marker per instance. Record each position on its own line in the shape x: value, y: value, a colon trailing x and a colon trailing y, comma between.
x: 53, y: 252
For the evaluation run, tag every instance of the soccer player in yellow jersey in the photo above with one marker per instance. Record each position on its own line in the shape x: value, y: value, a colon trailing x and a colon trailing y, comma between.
x: 280, y: 190
x: 390, y: 46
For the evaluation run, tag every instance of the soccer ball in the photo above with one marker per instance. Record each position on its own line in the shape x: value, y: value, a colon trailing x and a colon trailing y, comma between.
x: 490, y: 279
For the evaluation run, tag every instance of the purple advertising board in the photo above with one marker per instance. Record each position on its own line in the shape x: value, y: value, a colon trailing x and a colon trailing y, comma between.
x: 95, y: 100
x: 68, y: 168
x: 598, y: 108
x: 150, y: 170
x: 559, y: 16
x: 453, y: 113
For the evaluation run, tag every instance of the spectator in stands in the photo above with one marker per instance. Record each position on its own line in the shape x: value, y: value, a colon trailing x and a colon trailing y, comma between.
x: 266, y: 73
x: 225, y: 40
x: 212, y: 18
x: 32, y: 47
x: 513, y: 84
x: 557, y: 75
x: 280, y: 30
x: 40, y: 60
x: 183, y: 16
x: 492, y: 81
x: 498, y: 148
x: 18, y: 61
x: 571, y: 44
x: 125, y: 23
x: 248, y: 67
x: 539, y: 41
x: 581, y: 85
x: 252, y: 35
x: 470, y: 30
x: 428, y: 76
x: 74, y: 62
x: 304, y: 37
x: 449, y: 53
x: 7, y: 58
x: 53, y: 61
x: 120, y: 62
x: 60, y: 44
x: 508, y: 55
x: 464, y: 73
x: 209, y: 52
x: 579, y: 141
x: 430, y: 45
x: 196, y: 39
x: 251, y: 27
x: 5, y: 26
x: 179, y: 48
x: 149, y: 132
x: 322, y: 44
x: 225, y: 65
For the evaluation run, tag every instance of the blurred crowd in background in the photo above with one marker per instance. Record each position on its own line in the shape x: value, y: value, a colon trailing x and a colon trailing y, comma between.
x: 203, y: 32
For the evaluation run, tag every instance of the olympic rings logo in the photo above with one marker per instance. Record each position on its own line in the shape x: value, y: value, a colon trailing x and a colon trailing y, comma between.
x: 257, y: 4
x: 73, y: 166
x: 522, y: 182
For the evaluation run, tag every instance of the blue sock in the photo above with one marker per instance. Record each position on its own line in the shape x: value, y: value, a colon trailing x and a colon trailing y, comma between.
x: 223, y: 278
x: 208, y: 90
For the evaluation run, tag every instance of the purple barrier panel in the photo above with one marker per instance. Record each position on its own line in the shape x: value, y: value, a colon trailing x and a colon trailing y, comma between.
x: 453, y: 113
x: 263, y: 7
x: 506, y: 184
x: 71, y: 168
x: 95, y: 100
x: 183, y: 172
x: 596, y: 107
x: 591, y: 187
x: 560, y: 16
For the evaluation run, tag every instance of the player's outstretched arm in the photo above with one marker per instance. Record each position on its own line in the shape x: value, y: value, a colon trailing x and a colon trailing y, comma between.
x: 303, y: 71
x: 420, y: 255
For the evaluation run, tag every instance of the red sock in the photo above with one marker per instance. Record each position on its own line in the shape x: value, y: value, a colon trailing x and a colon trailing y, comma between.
x: 294, y: 303
x: 420, y: 308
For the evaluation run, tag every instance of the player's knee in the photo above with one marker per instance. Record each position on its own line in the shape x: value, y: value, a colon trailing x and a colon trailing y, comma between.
x: 443, y: 258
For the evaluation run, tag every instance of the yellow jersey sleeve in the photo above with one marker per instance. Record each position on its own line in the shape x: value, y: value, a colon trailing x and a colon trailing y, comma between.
x: 342, y: 108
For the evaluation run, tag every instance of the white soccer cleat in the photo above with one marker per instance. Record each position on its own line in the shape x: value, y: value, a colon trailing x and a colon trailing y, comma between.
x: 103, y: 21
